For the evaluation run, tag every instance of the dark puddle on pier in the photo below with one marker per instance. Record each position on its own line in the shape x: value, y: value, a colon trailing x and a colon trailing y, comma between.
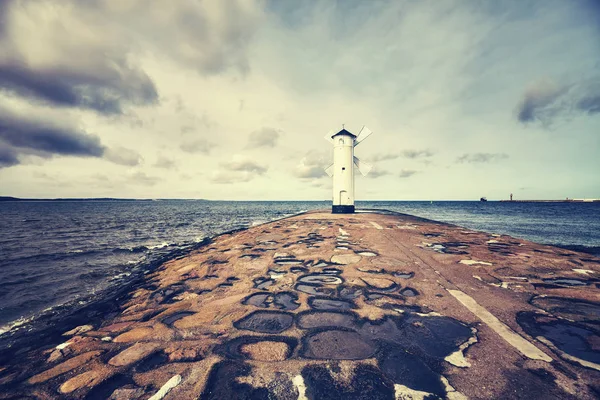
x: 287, y: 261
x: 315, y: 289
x: 266, y: 321
x: 450, y: 247
x: 571, y: 338
x: 337, y: 345
x: 328, y: 304
x: 284, y: 300
x: 566, y: 281
x: 325, y: 319
x: 577, y: 310
x: 263, y: 283
x: 321, y: 279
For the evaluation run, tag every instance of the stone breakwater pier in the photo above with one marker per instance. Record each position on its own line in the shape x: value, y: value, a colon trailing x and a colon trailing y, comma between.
x: 371, y: 305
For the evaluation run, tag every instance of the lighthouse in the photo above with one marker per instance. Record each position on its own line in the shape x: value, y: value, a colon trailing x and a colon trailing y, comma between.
x: 342, y: 169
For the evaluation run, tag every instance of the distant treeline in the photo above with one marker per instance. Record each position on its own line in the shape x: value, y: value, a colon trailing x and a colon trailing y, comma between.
x: 8, y: 198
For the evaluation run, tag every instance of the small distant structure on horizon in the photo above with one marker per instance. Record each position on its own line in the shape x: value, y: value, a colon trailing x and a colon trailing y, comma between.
x: 511, y: 199
x: 483, y: 199
x: 342, y: 169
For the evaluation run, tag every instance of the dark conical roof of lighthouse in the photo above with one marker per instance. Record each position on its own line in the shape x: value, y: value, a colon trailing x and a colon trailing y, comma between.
x: 344, y: 132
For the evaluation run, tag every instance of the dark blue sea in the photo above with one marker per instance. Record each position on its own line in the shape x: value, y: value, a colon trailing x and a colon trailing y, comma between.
x: 56, y: 256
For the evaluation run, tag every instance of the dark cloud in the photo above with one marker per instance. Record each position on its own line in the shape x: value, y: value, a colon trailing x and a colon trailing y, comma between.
x: 538, y: 100
x: 546, y: 100
x: 34, y: 137
x: 265, y: 137
x: 29, y: 135
x: 8, y: 156
x: 198, y: 146
x: 590, y: 104
x: 407, y: 173
x: 475, y: 158
x: 104, y: 90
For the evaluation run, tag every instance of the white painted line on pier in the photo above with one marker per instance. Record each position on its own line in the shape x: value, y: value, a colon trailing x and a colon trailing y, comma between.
x: 514, y: 339
x: 376, y: 225
x: 298, y: 381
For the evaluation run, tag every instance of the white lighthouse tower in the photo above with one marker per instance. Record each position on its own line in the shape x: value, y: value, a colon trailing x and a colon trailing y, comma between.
x: 342, y: 169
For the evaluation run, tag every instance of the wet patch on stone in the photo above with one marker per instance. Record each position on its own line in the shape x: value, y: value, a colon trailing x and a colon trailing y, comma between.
x: 298, y: 270
x: 571, y: 338
x: 367, y: 383
x: 372, y: 270
x: 266, y: 321
x: 260, y: 348
x: 169, y: 320
x: 328, y: 304
x: 409, y: 292
x: 337, y: 345
x: 250, y: 256
x: 320, y: 264
x: 403, y: 275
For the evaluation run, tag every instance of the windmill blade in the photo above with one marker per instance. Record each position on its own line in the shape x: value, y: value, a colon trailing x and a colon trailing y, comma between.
x: 329, y: 170
x: 328, y: 136
x: 362, y: 135
x: 363, y: 167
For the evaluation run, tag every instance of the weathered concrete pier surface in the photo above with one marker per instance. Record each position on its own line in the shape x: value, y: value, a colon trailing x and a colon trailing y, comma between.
x: 322, y: 306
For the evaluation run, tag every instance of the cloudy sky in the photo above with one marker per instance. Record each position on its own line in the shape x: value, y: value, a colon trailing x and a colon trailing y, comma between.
x: 231, y: 99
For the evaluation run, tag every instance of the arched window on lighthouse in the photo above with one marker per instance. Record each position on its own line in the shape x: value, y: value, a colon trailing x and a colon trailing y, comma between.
x: 341, y: 141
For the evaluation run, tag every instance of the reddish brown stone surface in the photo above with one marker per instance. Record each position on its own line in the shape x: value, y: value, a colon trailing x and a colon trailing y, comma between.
x: 366, y: 306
